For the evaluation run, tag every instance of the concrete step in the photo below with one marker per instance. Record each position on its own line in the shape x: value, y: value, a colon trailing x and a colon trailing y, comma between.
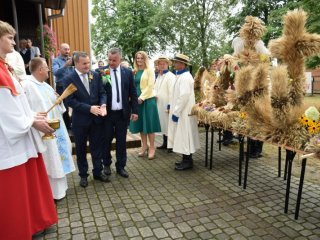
x: 133, y: 141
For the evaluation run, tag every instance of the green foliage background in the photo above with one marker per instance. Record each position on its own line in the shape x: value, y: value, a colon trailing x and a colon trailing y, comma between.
x: 201, y: 29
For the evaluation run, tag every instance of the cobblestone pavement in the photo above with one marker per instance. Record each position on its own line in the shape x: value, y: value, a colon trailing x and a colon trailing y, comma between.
x: 157, y: 202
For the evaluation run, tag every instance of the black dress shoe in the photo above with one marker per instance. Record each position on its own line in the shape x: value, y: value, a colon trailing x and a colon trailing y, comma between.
x: 102, y: 178
x: 227, y: 142
x: 184, y: 166
x: 162, y: 147
x: 255, y: 155
x: 123, y: 173
x: 177, y: 163
x: 107, y: 170
x: 169, y: 150
x: 83, y: 182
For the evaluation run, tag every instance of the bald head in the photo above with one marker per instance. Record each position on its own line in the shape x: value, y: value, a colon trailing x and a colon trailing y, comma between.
x: 64, y: 49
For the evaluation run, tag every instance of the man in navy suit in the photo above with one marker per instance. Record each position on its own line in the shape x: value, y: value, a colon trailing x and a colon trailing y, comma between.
x: 89, y: 105
x: 122, y: 106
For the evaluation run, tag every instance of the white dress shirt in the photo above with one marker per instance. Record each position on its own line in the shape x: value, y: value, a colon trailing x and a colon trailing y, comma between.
x: 84, y: 79
x: 116, y: 105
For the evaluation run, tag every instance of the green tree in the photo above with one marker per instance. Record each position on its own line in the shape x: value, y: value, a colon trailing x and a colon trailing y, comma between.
x: 128, y: 24
x: 313, y: 25
x: 269, y: 11
x: 196, y: 27
x: 192, y: 27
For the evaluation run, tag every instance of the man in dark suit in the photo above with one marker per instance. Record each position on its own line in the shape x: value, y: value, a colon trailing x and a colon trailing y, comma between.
x: 122, y: 106
x: 89, y: 105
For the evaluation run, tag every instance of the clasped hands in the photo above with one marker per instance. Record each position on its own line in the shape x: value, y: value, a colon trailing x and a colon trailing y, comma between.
x: 99, y: 110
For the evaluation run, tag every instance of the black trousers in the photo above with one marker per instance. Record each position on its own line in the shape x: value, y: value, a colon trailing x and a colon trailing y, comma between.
x: 255, y: 147
x: 81, y: 135
x: 116, y: 126
x: 227, y: 135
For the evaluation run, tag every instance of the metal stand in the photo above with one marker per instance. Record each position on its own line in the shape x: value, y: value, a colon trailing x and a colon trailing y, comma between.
x: 220, y: 134
x: 303, y: 170
x: 289, y: 159
x: 211, y: 147
x: 246, y: 164
x: 279, y: 161
x: 241, y: 157
x: 207, y: 143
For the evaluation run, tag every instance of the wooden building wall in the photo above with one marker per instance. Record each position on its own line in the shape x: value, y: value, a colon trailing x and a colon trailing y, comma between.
x: 73, y: 27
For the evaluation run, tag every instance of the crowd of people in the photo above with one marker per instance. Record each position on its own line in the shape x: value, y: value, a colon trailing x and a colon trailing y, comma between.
x: 108, y: 101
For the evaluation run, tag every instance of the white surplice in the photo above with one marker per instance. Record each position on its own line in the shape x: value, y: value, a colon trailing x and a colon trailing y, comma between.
x: 163, y: 90
x: 19, y: 141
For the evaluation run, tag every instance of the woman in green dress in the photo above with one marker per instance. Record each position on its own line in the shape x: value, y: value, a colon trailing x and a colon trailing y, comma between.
x: 148, y: 122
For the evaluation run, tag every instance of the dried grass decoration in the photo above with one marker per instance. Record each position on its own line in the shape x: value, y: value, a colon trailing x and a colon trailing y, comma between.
x: 288, y: 80
x: 314, y: 146
x: 67, y: 92
x: 252, y: 31
x: 292, y: 48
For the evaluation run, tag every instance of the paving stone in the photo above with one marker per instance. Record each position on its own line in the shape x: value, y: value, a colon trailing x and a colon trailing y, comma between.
x: 137, y: 217
x: 51, y: 236
x: 154, y: 225
x: 160, y: 232
x: 106, y: 235
x: 65, y: 236
x: 216, y: 231
x: 191, y: 235
x: 174, y: 233
x: 245, y: 231
x: 117, y: 231
x: 184, y: 227
x: 75, y: 217
x: 63, y: 222
x: 221, y: 236
x: 146, y: 232
x: 132, y: 232
x: 168, y: 225
x: 124, y: 217
x: 238, y: 237
x: 196, y: 204
x: 76, y: 224
x: 77, y: 230
x: 206, y: 235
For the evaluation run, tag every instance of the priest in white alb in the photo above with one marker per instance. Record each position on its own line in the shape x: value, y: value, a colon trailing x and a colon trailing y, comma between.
x: 41, y: 96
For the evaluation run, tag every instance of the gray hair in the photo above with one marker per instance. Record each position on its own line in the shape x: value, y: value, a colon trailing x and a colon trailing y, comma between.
x: 77, y: 55
x: 115, y: 50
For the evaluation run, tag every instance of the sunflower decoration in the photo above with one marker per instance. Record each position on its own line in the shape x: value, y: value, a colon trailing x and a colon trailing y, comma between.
x: 302, y: 119
x: 311, y: 120
x: 313, y: 128
x: 242, y: 115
